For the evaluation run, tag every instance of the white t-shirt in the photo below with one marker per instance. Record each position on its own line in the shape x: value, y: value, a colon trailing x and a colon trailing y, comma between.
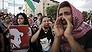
x: 30, y: 31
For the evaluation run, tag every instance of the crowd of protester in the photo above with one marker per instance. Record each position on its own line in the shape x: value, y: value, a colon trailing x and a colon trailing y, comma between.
x: 48, y: 35
x: 34, y: 24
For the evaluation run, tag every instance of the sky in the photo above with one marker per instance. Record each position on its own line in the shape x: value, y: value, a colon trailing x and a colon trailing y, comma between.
x: 82, y: 5
x: 10, y: 6
x: 20, y: 2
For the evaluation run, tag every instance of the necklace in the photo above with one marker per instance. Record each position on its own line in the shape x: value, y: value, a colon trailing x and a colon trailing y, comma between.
x: 45, y: 32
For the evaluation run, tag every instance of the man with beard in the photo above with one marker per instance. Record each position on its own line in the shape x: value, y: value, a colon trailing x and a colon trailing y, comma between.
x: 43, y: 36
x: 71, y: 34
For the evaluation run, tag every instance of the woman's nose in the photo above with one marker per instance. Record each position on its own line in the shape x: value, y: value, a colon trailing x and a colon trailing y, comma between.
x: 46, y: 22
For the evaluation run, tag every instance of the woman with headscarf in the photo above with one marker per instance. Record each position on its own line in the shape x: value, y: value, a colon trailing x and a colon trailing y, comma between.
x: 71, y: 34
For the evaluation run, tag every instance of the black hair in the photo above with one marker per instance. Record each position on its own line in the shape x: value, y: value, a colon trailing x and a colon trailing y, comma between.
x: 25, y: 18
x: 35, y: 17
x: 30, y: 15
x: 50, y: 18
x: 64, y: 4
x: 5, y: 17
x: 39, y: 14
x: 1, y: 14
x: 43, y: 17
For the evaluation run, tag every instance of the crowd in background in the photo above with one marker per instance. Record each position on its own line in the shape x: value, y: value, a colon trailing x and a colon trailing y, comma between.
x: 34, y: 24
x: 39, y: 27
x: 88, y: 20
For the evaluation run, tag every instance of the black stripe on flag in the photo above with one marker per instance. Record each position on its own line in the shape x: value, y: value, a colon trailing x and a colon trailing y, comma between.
x: 36, y: 1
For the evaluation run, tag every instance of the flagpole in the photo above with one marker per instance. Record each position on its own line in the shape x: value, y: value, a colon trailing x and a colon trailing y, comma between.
x: 43, y: 7
x: 34, y: 12
x: 14, y: 6
x: 3, y: 5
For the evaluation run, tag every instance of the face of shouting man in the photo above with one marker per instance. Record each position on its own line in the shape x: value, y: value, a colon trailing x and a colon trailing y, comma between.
x: 65, y: 12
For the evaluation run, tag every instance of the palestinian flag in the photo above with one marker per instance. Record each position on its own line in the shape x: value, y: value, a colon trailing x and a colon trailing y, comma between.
x: 31, y: 4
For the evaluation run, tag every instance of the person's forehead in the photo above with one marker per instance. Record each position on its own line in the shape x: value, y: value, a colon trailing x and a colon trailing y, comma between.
x: 45, y: 18
x: 7, y: 17
x: 39, y: 15
x: 65, y: 9
x: 20, y: 16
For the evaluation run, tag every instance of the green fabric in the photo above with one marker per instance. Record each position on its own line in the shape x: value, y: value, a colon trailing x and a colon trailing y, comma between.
x: 31, y: 5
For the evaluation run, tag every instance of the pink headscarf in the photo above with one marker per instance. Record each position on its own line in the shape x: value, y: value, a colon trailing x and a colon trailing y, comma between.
x: 80, y: 29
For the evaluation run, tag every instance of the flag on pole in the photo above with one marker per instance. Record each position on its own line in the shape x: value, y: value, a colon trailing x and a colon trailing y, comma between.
x: 31, y: 4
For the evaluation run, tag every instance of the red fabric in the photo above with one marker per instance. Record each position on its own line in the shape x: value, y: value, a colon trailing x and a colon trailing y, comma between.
x: 24, y: 39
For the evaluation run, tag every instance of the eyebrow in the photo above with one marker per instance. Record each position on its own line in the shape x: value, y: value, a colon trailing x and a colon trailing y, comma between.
x: 64, y: 12
x: 67, y: 12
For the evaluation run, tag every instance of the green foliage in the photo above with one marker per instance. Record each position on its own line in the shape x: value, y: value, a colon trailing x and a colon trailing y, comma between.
x: 85, y: 14
x: 52, y: 11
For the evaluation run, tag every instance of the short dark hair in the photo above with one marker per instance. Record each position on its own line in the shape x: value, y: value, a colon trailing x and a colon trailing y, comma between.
x: 35, y: 17
x: 30, y: 15
x: 5, y: 17
x: 39, y: 14
x: 1, y: 14
x: 64, y: 4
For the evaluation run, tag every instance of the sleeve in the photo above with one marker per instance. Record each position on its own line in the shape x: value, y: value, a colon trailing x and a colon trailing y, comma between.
x: 1, y: 31
x: 89, y: 40
x: 30, y: 32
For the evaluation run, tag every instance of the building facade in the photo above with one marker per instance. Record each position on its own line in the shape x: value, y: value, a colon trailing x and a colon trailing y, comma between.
x: 11, y: 6
x: 40, y: 7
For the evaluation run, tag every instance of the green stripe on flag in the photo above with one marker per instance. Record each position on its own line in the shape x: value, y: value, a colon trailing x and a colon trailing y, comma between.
x: 31, y: 5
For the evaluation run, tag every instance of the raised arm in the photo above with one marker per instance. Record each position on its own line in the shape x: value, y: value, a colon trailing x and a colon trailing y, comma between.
x: 58, y: 30
x: 36, y: 35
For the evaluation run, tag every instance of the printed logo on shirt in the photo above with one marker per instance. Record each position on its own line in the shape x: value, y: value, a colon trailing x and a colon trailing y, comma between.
x: 45, y: 43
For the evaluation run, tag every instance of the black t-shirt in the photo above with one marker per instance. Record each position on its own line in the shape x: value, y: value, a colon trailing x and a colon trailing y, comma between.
x: 1, y: 31
x: 45, y: 38
x: 1, y: 27
x: 86, y: 40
